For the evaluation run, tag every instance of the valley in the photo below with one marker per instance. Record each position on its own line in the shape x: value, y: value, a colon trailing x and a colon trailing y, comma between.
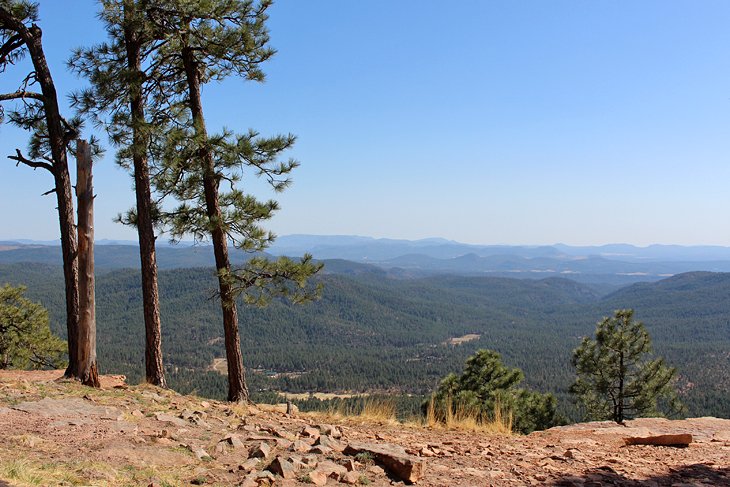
x: 378, y: 333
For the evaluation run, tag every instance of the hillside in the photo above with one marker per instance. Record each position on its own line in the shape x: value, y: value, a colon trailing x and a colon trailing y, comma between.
x: 372, y: 333
x: 60, y: 433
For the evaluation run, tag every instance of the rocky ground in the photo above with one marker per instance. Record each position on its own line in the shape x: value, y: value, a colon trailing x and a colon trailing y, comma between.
x: 55, y: 432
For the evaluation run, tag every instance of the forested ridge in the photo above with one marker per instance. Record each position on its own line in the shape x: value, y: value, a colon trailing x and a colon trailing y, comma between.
x: 372, y: 333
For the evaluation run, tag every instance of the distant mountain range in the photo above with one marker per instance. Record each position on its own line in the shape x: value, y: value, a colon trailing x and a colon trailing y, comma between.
x: 614, y: 264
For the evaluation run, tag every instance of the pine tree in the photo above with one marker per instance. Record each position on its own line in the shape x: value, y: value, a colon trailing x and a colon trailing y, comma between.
x: 118, y: 98
x: 203, y: 42
x: 51, y: 134
x: 487, y: 385
x: 617, y: 378
x: 26, y: 340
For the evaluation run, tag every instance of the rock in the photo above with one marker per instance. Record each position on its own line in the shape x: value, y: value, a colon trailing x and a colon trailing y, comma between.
x: 349, y: 464
x: 351, y: 478
x: 721, y: 436
x: 310, y: 461
x: 282, y: 408
x: 331, y: 469
x: 249, y: 481
x: 299, y: 446
x: 169, y: 418
x: 265, y: 478
x: 262, y: 450
x: 283, y: 468
x: 76, y: 408
x: 320, y: 450
x: 329, y: 442
x: 393, y: 458
x: 249, y: 465
x: 283, y: 443
x: 296, y: 460
x: 681, y: 440
x: 317, y: 477
x: 279, y: 433
x: 309, y: 432
x: 233, y: 440
x: 376, y: 469
x: 199, y: 452
x: 330, y: 430
x: 260, y: 438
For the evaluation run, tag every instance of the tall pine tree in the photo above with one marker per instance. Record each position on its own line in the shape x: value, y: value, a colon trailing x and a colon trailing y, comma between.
x: 201, y: 42
x: 119, y: 97
x: 51, y: 134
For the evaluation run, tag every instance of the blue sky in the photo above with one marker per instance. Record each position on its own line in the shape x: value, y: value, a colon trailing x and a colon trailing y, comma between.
x: 519, y: 122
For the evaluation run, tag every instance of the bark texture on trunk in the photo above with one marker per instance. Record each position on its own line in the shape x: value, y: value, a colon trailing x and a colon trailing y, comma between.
x: 57, y: 138
x: 87, y: 368
x: 154, y: 368
x: 237, y: 389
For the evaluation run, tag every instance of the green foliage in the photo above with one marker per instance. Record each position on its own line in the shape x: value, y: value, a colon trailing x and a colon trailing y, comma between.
x: 26, y: 340
x: 617, y: 379
x: 486, y: 385
x: 398, y: 327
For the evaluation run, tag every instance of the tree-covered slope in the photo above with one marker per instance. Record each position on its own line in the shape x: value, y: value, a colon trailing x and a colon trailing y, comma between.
x: 369, y: 332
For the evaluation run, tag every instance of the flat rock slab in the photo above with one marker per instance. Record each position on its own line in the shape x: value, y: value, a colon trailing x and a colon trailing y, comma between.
x: 393, y: 458
x: 682, y: 440
x: 74, y: 407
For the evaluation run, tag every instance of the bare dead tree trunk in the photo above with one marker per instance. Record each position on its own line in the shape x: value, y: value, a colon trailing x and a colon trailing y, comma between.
x: 154, y: 368
x: 237, y: 389
x: 32, y: 37
x: 87, y: 368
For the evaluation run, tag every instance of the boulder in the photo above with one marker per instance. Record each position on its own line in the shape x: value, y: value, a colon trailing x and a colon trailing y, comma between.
x: 393, y: 458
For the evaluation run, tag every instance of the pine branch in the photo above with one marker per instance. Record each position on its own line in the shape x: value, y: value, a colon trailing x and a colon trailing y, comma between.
x: 13, y: 43
x: 21, y: 94
x: 34, y: 164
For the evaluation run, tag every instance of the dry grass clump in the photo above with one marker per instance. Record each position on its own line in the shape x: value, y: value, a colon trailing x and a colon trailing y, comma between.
x: 378, y: 410
x: 31, y: 473
x: 462, y: 417
x: 368, y: 409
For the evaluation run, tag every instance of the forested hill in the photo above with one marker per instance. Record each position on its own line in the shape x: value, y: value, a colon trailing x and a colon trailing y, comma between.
x: 371, y: 332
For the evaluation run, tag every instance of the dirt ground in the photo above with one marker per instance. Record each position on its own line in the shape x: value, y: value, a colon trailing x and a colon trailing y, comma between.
x: 57, y: 432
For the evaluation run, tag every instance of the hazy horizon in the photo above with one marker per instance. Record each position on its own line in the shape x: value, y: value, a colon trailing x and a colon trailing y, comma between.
x: 163, y: 241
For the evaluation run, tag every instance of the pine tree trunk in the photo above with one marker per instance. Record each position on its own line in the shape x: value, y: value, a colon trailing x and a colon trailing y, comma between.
x: 87, y: 369
x: 237, y: 389
x: 64, y: 196
x: 154, y: 368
